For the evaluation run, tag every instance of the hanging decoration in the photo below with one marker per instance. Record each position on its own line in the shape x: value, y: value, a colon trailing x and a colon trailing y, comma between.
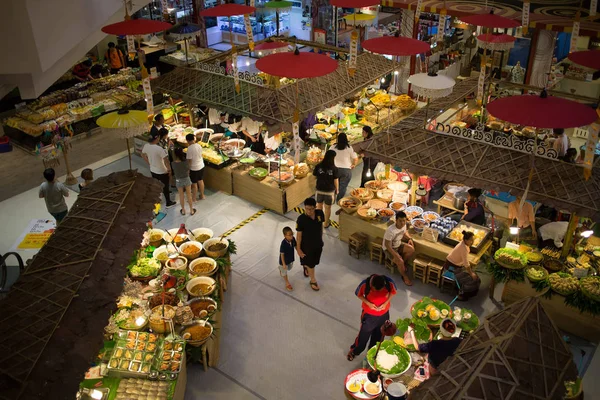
x: 575, y: 33
x: 234, y: 69
x: 481, y: 82
x: 165, y: 9
x: 593, y: 7
x: 252, y: 4
x: 525, y: 18
x: 418, y: 10
x: 496, y: 41
x: 353, y: 52
x: 130, y: 44
x: 590, y: 149
x: 441, y: 25
x: 249, y: 32
x: 148, y: 95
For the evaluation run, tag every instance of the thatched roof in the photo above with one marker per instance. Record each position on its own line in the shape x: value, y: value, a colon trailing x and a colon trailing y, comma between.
x: 268, y: 103
x: 486, y: 165
x: 516, y: 354
x: 52, y: 320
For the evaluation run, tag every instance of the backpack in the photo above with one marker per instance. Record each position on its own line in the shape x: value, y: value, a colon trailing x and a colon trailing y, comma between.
x: 388, y: 285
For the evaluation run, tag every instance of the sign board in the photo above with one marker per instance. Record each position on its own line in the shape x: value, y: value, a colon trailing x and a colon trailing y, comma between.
x: 35, y: 235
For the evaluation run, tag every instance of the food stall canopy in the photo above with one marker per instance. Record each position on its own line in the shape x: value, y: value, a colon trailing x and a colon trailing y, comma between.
x: 588, y: 58
x: 490, y: 20
x: 136, y: 27
x: 268, y: 103
x: 52, y: 319
x: 297, y: 65
x: 485, y: 165
x: 517, y: 353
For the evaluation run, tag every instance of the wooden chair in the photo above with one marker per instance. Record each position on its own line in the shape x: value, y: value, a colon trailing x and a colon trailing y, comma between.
x: 389, y: 264
x: 377, y: 252
x: 357, y: 244
x: 434, y: 272
x: 420, y: 267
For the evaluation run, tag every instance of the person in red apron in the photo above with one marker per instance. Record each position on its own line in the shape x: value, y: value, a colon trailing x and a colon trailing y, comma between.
x: 376, y: 293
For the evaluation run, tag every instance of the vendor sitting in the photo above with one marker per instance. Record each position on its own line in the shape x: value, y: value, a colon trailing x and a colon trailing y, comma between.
x: 474, y: 211
x: 467, y: 280
x: 525, y: 217
x: 439, y: 350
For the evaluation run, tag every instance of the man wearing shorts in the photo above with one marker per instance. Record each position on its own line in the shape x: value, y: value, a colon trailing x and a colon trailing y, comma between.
x: 309, y: 239
x: 194, y: 157
x: 398, y: 245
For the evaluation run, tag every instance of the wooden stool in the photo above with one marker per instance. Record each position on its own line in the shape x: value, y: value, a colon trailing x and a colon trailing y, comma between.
x: 389, y: 264
x: 377, y: 250
x: 357, y: 244
x: 434, y: 272
x: 420, y: 267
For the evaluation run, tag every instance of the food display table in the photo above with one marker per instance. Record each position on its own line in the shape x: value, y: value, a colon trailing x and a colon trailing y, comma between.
x: 566, y: 318
x: 269, y: 194
x: 445, y: 203
x: 218, y: 179
x: 351, y: 223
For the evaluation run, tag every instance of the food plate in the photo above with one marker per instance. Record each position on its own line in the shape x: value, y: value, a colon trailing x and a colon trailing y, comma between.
x: 376, y: 185
x: 465, y: 319
x: 398, y: 186
x: 377, y: 204
x: 397, y: 206
x: 358, y: 377
x: 430, y: 216
x: 319, y: 127
x: 362, y: 194
x: 393, y: 349
x: 424, y: 310
x: 422, y: 333
x: 413, y: 212
x: 419, y: 224
x: 536, y: 273
x: 258, y: 173
x: 349, y: 204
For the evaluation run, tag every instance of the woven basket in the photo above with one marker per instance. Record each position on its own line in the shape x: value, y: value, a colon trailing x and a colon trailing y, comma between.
x: 509, y: 266
x: 162, y: 326
x: 362, y: 213
x: 363, y: 199
x: 349, y: 210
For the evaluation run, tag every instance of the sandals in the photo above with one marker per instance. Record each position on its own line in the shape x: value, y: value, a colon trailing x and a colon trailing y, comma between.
x: 289, y: 287
x: 182, y: 212
x: 193, y: 211
x: 350, y: 355
x: 305, y: 272
x: 407, y: 282
x: 315, y: 286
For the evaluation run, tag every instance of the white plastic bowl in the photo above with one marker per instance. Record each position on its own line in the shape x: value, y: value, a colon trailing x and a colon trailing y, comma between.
x: 170, y: 235
x: 200, y: 231
x: 200, y: 260
x: 188, y: 244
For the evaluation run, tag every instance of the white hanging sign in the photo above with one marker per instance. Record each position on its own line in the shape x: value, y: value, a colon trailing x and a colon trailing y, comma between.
x: 148, y: 95
x: 574, y: 37
x: 481, y: 84
x: 441, y: 26
x: 234, y: 68
x: 593, y: 7
x: 418, y: 10
x: 353, y: 52
x: 590, y: 149
x: 165, y: 7
x: 249, y: 32
x: 252, y: 3
x: 130, y: 44
x: 296, y: 138
x: 525, y: 18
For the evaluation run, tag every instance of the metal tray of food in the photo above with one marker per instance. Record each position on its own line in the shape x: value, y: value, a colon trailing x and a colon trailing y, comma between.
x: 482, y: 235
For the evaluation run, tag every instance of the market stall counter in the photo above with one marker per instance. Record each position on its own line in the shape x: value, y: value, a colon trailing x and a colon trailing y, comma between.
x: 566, y: 318
x: 267, y: 192
x: 352, y: 223
x: 219, y: 179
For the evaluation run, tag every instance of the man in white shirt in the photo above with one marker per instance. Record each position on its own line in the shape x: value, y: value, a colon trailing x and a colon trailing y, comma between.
x: 160, y: 168
x: 398, y: 245
x: 194, y: 157
x: 561, y: 144
x: 250, y: 129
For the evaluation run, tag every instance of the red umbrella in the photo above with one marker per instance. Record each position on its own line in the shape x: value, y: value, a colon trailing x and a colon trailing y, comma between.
x: 490, y: 20
x: 496, y: 42
x: 588, y: 58
x: 297, y: 65
x: 396, y: 46
x: 267, y: 46
x: 227, y: 10
x: 542, y: 111
x: 136, y: 27
x: 354, y: 3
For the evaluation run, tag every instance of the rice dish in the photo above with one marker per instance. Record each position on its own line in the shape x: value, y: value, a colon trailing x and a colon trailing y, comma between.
x: 387, y: 361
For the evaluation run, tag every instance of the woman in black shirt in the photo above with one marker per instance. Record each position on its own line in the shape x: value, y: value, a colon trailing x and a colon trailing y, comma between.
x: 327, y: 184
x: 369, y: 163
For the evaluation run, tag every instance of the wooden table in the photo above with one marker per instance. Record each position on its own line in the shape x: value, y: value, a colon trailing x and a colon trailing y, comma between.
x: 446, y: 202
x: 351, y: 223
x: 564, y: 317
x: 218, y: 179
x: 269, y: 194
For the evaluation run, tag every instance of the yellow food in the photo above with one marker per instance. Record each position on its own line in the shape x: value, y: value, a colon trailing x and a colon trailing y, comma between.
x: 429, y: 307
x: 434, y: 314
x: 399, y: 341
x: 354, y: 387
x: 372, y: 388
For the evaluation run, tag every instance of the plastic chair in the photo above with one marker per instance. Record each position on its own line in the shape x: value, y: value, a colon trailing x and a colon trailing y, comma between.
x: 449, y: 277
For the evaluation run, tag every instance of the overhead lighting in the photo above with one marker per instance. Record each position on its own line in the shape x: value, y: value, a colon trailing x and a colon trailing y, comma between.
x: 247, y: 63
x: 96, y: 394
x: 514, y: 230
x: 587, y: 234
x: 395, y: 72
x: 260, y: 53
x: 382, y: 80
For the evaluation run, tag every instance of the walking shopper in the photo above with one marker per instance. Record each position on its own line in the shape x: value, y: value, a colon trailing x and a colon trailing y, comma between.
x: 88, y: 176
x: 398, y: 245
x: 54, y: 194
x: 309, y: 239
x: 182, y: 180
x: 345, y: 161
x: 376, y: 293
x: 114, y: 58
x: 196, y: 163
x: 286, y: 255
x: 327, y: 183
x: 158, y: 159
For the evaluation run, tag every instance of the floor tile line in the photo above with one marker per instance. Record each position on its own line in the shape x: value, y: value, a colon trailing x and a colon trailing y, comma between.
x: 240, y: 384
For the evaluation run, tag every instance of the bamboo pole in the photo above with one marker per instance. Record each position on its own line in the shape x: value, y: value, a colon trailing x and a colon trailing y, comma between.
x: 568, y: 241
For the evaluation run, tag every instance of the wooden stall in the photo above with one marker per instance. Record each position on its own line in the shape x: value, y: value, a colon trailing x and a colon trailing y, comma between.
x: 351, y: 223
x: 566, y: 318
x: 218, y: 179
x: 267, y: 192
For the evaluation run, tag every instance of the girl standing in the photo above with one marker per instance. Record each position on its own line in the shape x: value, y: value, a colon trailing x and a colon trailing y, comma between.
x: 345, y: 161
x: 182, y: 180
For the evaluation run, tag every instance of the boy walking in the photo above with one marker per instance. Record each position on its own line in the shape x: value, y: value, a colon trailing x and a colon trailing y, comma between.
x: 286, y: 255
x: 54, y: 194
